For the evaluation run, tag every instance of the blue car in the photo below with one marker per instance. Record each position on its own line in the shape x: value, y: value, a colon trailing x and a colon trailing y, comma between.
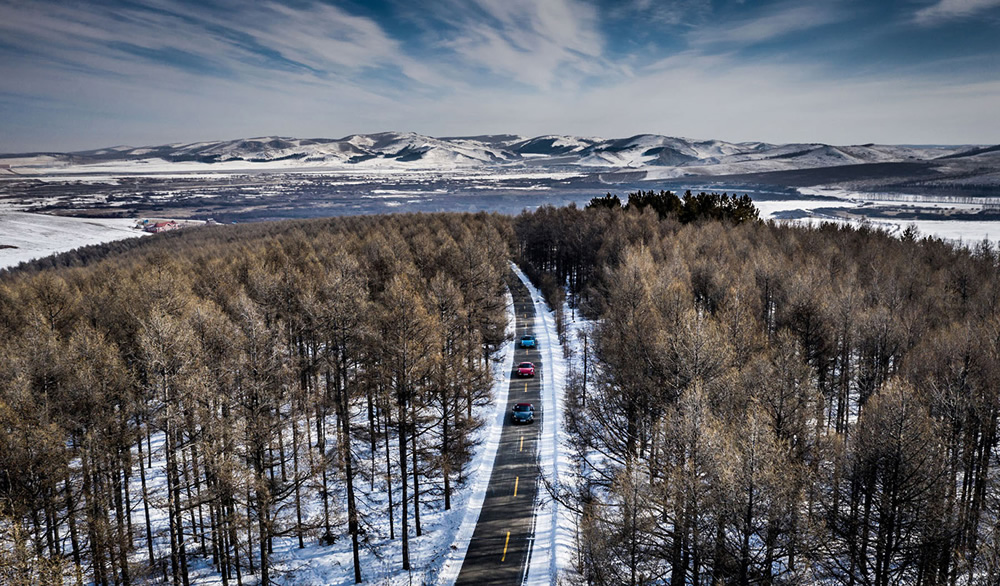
x: 527, y: 341
x: 523, y: 413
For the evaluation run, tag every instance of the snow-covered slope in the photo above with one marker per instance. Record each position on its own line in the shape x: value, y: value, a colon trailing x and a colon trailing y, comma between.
x: 663, y: 156
x: 26, y: 236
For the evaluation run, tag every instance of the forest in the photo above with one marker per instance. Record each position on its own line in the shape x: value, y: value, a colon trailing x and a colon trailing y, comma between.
x: 768, y: 404
x: 757, y: 403
x: 272, y: 362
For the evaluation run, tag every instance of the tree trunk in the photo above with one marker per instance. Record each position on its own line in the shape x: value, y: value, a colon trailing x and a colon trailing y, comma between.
x: 404, y: 529
x: 348, y: 457
x: 295, y: 473
x: 445, y: 457
x: 74, y: 538
x: 388, y: 474
x: 416, y: 477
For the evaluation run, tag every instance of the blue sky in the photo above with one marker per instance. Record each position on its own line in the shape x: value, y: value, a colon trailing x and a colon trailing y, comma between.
x: 77, y: 75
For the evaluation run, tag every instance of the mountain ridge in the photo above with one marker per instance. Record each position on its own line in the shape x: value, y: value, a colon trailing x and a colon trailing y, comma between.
x: 659, y: 156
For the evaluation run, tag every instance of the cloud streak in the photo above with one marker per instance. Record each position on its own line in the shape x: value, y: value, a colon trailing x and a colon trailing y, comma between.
x: 776, y: 23
x: 536, y: 44
x: 948, y: 10
x: 245, y: 40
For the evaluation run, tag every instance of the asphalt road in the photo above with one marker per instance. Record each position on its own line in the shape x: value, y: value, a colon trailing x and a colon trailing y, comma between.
x: 498, y: 552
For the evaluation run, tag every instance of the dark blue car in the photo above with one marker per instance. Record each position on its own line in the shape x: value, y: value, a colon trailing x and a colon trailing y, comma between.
x: 523, y: 413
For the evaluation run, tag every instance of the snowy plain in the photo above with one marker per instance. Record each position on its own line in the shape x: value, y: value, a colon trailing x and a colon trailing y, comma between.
x: 27, y: 236
x: 962, y: 232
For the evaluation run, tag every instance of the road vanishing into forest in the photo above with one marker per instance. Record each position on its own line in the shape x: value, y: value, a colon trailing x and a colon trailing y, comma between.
x: 498, y: 552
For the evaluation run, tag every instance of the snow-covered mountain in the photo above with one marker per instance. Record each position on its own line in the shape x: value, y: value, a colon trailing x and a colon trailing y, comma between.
x: 661, y: 156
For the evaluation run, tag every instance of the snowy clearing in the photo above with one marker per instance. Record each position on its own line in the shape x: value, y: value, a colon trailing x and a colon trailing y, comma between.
x: 26, y: 236
x: 769, y: 208
x: 955, y: 230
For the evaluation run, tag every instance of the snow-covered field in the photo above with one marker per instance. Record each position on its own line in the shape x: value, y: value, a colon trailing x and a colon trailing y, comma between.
x: 769, y: 208
x: 955, y: 230
x: 27, y: 236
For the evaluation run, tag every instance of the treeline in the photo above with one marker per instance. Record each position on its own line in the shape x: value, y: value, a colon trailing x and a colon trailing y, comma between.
x: 231, y: 381
x: 703, y: 206
x: 764, y: 404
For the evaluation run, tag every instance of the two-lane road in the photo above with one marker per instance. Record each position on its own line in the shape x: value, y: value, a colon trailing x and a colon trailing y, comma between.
x: 498, y: 552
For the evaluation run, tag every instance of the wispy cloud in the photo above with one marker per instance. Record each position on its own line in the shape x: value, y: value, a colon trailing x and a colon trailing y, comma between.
x: 249, y: 40
x: 659, y: 14
x: 538, y: 44
x: 177, y: 70
x: 948, y: 10
x: 777, y: 22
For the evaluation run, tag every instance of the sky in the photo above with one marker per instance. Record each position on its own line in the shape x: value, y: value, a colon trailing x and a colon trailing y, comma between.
x: 89, y: 74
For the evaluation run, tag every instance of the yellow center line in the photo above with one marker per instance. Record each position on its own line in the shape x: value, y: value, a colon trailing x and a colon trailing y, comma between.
x: 525, y: 386
x: 506, y: 541
x: 516, y: 479
x: 522, y: 444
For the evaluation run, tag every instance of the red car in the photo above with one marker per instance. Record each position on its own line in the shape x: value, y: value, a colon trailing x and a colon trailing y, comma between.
x: 526, y: 369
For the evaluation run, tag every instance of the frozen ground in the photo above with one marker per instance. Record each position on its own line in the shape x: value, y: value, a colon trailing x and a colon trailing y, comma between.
x: 956, y: 230
x: 769, y: 208
x: 25, y: 236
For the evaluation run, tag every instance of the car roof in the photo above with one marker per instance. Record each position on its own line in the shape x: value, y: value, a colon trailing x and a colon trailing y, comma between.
x: 523, y: 405
x: 523, y: 363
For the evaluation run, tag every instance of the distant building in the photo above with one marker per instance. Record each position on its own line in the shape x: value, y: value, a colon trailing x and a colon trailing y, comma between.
x: 161, y: 227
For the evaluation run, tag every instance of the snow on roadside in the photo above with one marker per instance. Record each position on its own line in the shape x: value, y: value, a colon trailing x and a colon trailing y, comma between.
x: 471, y: 500
x: 554, y: 544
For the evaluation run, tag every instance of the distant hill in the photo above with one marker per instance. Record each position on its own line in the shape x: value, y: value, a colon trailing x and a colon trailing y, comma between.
x: 646, y: 156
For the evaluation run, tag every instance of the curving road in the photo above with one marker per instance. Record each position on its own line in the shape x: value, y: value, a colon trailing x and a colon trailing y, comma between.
x: 498, y: 552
